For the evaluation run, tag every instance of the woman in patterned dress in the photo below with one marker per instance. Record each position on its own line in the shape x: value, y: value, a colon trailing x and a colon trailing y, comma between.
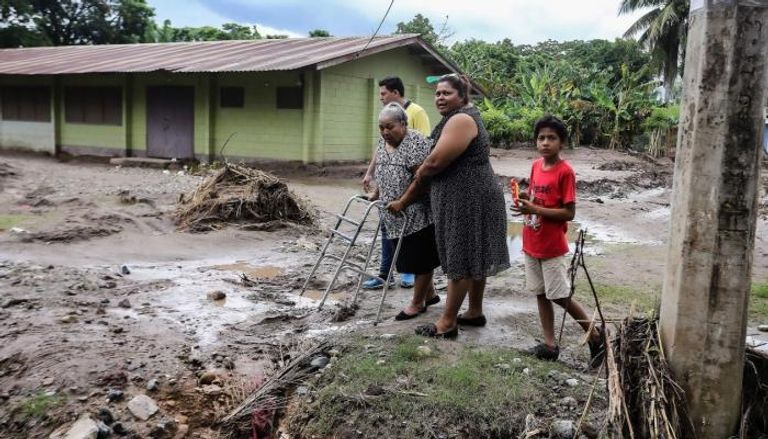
x: 467, y: 206
x: 399, y: 153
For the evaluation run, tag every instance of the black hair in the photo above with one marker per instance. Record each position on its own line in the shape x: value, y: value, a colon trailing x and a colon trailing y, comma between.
x: 553, y: 123
x: 393, y: 83
x: 459, y: 83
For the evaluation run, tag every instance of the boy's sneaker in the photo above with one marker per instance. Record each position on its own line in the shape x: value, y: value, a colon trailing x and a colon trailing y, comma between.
x: 597, y: 351
x: 544, y: 352
x: 375, y: 283
x: 407, y: 280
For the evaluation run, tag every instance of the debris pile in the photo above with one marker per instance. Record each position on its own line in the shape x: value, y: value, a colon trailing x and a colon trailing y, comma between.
x: 254, y: 199
x: 754, y: 403
x: 644, y: 401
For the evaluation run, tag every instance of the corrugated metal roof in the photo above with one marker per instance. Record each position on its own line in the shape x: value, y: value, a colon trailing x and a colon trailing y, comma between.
x: 214, y: 56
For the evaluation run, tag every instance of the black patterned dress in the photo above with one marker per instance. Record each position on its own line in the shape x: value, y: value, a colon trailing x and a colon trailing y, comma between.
x: 468, y: 209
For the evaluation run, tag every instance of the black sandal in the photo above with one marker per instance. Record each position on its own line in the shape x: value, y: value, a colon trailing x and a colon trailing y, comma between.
x: 405, y: 316
x: 433, y: 301
x: 472, y: 321
x: 430, y: 330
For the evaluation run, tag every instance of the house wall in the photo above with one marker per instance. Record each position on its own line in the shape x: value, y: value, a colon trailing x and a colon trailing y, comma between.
x: 84, y: 138
x: 30, y: 136
x: 351, y: 104
x: 258, y: 130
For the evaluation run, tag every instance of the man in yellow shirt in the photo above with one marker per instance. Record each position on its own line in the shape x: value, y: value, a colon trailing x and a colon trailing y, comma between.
x: 391, y: 89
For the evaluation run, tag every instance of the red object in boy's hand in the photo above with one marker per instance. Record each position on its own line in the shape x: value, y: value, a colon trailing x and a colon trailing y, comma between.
x: 514, y: 189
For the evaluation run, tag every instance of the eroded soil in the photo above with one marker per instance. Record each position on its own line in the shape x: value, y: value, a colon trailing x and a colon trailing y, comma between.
x: 101, y: 294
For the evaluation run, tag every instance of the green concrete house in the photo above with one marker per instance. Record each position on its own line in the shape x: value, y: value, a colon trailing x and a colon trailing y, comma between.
x: 305, y: 99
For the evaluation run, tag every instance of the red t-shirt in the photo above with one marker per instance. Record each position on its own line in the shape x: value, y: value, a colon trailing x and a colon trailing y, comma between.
x: 553, y: 188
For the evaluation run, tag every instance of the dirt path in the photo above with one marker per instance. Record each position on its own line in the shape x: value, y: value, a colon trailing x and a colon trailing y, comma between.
x: 101, y: 294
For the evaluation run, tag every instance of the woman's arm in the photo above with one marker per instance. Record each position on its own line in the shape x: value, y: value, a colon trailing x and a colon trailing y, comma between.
x: 457, y: 134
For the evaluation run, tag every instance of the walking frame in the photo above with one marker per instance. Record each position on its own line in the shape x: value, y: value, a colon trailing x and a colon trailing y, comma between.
x: 343, y: 262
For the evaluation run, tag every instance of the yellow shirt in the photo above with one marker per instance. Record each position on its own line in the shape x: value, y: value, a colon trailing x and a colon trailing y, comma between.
x: 418, y: 119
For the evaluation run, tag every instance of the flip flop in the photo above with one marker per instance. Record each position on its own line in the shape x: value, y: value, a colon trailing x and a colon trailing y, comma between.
x: 430, y: 330
x: 472, y: 321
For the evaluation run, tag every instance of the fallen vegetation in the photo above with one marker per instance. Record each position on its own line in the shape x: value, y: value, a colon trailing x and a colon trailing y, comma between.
x: 240, y: 195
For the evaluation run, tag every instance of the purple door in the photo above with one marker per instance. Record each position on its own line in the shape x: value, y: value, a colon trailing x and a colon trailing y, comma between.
x: 170, y: 122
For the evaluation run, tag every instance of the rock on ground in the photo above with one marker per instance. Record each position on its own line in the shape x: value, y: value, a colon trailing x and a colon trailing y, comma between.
x: 83, y: 428
x: 142, y: 407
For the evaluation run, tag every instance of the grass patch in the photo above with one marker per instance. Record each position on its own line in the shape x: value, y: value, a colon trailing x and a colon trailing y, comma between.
x: 646, y: 300
x: 407, y: 389
x: 9, y: 221
x: 758, y: 303
x: 39, y: 405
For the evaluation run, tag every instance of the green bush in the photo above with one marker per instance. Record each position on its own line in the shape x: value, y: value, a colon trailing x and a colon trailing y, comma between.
x: 498, y: 125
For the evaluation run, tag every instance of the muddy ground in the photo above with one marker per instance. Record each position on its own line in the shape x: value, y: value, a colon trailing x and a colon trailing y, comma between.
x: 102, y: 299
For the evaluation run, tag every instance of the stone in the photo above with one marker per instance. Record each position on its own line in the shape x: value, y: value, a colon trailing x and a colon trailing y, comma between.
x: 503, y: 366
x: 387, y: 336
x: 517, y: 360
x: 68, y: 319
x: 210, y: 377
x: 212, y: 390
x: 423, y: 351
x: 381, y: 362
x: 320, y: 362
x: 217, y: 295
x: 106, y: 416
x: 83, y: 428
x: 142, y: 407
x: 163, y: 430
x: 527, y: 371
x: 572, y: 382
x: 569, y: 401
x: 181, y: 419
x: 115, y: 395
x: 104, y: 430
x: 125, y: 303
x: 152, y: 384
x: 562, y: 429
x: 124, y: 270
x: 302, y: 390
x: 762, y: 328
x: 182, y: 431
x: 334, y: 353
x: 119, y: 429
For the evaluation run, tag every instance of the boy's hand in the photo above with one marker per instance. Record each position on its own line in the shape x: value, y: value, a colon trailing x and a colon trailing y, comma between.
x: 523, y: 196
x: 525, y: 207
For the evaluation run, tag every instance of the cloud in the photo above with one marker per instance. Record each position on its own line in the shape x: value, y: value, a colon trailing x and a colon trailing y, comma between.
x: 522, y: 21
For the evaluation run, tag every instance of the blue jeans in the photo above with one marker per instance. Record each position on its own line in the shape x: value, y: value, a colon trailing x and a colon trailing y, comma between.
x: 387, y: 250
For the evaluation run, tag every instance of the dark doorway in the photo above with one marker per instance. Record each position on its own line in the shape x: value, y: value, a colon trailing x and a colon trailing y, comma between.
x: 170, y: 122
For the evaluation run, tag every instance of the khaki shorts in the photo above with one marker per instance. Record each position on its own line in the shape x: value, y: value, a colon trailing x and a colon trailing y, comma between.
x: 547, y: 276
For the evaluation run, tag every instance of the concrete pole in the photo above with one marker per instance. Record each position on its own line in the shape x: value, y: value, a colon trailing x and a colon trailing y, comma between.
x: 714, y: 207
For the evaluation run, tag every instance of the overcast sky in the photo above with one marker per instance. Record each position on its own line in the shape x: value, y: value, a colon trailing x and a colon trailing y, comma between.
x: 522, y: 21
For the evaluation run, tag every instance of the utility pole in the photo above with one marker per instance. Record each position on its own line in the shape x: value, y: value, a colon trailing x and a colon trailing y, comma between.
x: 714, y: 209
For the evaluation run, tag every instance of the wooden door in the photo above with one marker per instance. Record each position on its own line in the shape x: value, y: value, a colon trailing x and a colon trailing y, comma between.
x: 170, y: 122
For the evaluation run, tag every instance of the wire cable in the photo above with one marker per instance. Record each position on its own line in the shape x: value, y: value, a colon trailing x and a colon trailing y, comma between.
x: 377, y: 29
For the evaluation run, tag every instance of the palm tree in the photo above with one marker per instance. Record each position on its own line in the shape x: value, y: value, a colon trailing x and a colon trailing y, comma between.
x: 663, y: 31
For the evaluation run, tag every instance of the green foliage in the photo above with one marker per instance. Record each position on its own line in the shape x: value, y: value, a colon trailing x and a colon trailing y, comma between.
x: 602, y: 90
x: 418, y: 25
x: 758, y: 304
x: 39, y: 405
x: 319, y: 33
x: 663, y: 30
x: 67, y: 22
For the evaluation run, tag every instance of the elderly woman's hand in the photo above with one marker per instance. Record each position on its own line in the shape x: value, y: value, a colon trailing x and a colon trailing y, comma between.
x: 395, y: 206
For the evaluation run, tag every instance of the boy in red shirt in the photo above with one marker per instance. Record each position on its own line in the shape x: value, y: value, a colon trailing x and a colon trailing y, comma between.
x: 548, y: 206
